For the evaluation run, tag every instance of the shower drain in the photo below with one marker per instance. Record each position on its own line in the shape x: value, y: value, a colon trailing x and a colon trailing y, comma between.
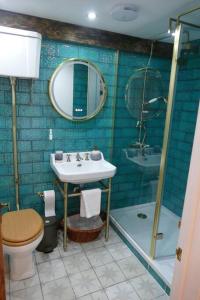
x: 142, y: 216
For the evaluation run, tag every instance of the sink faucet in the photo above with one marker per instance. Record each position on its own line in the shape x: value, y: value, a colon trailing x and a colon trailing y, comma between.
x: 143, y: 149
x: 78, y: 157
x: 87, y: 156
x: 68, y: 157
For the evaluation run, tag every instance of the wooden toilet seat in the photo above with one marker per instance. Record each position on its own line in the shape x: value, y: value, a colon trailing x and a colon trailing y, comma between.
x: 21, y: 227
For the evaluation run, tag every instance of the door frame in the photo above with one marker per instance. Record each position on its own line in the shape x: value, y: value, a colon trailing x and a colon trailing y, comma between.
x: 185, y: 285
x: 2, y: 274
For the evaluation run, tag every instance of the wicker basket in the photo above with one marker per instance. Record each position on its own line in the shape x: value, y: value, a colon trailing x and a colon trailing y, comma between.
x: 79, y: 232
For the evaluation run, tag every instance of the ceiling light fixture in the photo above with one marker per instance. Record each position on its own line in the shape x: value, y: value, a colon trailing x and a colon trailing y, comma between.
x: 125, y: 12
x: 92, y: 15
x: 171, y: 32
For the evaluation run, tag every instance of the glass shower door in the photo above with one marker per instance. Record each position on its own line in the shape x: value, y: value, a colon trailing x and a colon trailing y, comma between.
x: 186, y: 98
x: 139, y: 125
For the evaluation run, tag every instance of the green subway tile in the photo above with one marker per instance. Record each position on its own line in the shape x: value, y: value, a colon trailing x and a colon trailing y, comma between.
x: 31, y: 157
x: 26, y: 189
x: 2, y: 122
x: 33, y: 134
x: 41, y: 167
x: 6, y: 158
x: 5, y: 146
x: 24, y: 146
x: 5, y: 110
x: 25, y: 168
x: 23, y: 98
x: 24, y: 122
x: 6, y: 181
x: 43, y: 145
x: 5, y: 170
x: 5, y: 134
x: 29, y: 111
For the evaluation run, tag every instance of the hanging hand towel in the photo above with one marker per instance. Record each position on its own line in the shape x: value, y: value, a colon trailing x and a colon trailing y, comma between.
x: 90, y: 203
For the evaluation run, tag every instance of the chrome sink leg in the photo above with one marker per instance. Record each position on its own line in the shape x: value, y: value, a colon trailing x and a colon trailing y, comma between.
x: 108, y: 210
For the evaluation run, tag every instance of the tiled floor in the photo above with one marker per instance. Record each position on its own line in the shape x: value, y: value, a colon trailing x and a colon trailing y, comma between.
x: 93, y: 271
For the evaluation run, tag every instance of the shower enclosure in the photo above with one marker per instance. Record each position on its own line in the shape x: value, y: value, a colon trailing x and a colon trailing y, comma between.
x: 150, y: 216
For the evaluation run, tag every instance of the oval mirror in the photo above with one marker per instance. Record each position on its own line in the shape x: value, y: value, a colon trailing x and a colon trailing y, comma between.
x: 77, y: 90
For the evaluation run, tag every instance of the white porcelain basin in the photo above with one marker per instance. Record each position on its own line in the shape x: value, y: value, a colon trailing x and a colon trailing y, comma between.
x: 81, y: 171
x: 146, y: 163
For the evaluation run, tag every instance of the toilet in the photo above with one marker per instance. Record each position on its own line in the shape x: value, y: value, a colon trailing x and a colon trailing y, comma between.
x: 22, y: 232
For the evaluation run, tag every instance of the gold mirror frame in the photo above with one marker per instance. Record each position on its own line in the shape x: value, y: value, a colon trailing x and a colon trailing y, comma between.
x: 130, y: 81
x: 52, y: 98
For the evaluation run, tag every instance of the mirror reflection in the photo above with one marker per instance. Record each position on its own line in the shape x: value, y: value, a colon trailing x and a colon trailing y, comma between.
x: 77, y: 90
x: 144, y: 95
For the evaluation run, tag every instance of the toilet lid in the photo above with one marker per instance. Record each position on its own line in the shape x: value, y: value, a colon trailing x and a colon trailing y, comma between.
x: 20, y: 226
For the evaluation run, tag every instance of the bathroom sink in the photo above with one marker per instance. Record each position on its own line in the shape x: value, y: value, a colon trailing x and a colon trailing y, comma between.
x: 82, y: 171
x: 145, y: 163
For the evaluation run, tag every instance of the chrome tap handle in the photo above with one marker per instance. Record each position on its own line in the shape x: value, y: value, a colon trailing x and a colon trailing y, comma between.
x: 68, y: 157
x: 87, y: 156
x: 78, y: 157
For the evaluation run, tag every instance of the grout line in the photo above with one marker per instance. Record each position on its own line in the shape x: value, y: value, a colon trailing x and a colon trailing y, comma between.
x: 84, y: 251
x: 40, y: 283
x: 71, y: 286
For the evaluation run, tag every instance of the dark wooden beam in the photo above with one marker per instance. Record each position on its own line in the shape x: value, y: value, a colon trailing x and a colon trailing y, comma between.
x: 83, y: 35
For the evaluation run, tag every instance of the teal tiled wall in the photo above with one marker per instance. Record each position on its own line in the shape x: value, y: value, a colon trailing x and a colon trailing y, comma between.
x: 182, y: 132
x: 35, y: 116
x: 131, y: 187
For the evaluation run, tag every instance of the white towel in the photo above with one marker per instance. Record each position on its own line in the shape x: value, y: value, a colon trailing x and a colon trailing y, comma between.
x: 90, y: 203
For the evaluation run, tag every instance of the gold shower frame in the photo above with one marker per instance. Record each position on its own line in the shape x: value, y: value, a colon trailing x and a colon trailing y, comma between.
x: 171, y: 95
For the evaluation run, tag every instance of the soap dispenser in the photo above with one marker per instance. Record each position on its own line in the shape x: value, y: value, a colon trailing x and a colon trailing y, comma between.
x: 95, y: 154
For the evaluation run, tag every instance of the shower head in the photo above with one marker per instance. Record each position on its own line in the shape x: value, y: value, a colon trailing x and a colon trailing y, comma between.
x: 157, y: 99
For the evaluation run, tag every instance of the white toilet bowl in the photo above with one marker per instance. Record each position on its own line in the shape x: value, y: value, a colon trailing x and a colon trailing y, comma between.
x: 21, y: 259
x: 22, y: 232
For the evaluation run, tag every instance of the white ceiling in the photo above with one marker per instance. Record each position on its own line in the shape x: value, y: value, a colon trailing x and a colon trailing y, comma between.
x: 151, y: 22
